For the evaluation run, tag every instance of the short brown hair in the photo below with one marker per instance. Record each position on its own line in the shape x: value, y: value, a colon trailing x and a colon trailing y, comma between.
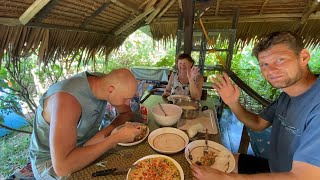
x: 292, y: 40
x: 187, y: 57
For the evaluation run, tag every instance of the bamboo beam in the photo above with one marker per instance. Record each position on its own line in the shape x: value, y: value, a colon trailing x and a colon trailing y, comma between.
x: 132, y: 9
x: 45, y: 11
x: 143, y: 4
x: 67, y: 28
x: 9, y: 21
x: 309, y: 11
x: 264, y: 4
x: 168, y: 6
x: 160, y: 5
x: 217, y: 8
x: 135, y: 20
x: 253, y: 18
x: 96, y: 13
x: 32, y: 11
x: 150, y: 4
x: 180, y: 5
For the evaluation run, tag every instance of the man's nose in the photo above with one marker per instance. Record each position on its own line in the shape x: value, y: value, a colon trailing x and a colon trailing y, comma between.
x: 272, y: 67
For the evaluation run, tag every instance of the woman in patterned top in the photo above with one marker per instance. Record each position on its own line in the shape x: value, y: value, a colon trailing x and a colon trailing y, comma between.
x: 187, y: 80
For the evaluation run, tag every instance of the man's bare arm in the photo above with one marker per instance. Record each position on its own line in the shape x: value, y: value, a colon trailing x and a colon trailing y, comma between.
x: 251, y: 120
x: 125, y: 114
x: 65, y: 155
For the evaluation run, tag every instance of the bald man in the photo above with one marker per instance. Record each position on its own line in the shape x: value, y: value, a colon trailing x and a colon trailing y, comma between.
x: 66, y: 135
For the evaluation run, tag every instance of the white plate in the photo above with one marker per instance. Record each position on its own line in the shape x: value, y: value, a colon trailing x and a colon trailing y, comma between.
x: 173, y: 98
x: 168, y: 140
x: 132, y: 143
x: 196, y: 149
x: 162, y: 156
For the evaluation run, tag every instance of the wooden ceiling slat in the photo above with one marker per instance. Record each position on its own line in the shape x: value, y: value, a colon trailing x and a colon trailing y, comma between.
x: 164, y: 10
x: 217, y: 8
x: 132, y: 9
x: 45, y: 11
x: 10, y: 21
x: 73, y: 8
x: 144, y: 4
x: 109, y: 16
x: 135, y: 20
x: 13, y: 5
x: 56, y: 12
x: 309, y: 10
x: 102, y: 23
x: 106, y: 21
x: 96, y: 13
x: 159, y: 7
x: 119, y: 10
x: 150, y: 4
x: 60, y: 27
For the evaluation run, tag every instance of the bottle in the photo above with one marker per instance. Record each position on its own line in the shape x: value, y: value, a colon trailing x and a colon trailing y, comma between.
x: 144, y: 114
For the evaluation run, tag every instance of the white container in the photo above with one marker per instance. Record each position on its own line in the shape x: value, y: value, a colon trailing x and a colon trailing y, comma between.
x: 173, y: 114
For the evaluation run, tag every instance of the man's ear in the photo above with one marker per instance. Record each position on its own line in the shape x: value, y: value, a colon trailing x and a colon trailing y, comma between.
x: 110, y: 89
x: 305, y: 56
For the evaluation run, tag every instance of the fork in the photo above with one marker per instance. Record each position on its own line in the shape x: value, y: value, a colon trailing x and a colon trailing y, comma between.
x: 206, y: 148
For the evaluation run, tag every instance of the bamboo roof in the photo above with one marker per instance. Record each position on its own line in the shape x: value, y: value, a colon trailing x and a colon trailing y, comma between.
x: 68, y: 27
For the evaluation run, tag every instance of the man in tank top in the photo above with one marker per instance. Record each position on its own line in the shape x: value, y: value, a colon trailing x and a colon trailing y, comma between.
x: 66, y: 135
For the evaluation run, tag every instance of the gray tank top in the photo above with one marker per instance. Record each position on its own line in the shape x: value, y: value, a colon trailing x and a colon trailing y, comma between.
x: 92, y: 113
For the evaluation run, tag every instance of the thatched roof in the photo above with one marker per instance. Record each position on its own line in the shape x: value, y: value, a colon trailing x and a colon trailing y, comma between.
x: 67, y: 27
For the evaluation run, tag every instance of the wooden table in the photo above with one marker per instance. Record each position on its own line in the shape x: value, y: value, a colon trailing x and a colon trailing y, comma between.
x: 138, y: 151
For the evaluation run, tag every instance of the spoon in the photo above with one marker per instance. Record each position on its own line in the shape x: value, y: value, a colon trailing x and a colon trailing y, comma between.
x: 165, y: 114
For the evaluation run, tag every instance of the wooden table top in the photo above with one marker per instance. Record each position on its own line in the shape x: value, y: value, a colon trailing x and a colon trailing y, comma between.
x: 138, y: 151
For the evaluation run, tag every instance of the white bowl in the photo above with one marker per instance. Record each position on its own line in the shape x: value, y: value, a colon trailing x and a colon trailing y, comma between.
x: 226, y: 160
x: 168, y: 140
x: 173, y: 114
x: 176, y: 164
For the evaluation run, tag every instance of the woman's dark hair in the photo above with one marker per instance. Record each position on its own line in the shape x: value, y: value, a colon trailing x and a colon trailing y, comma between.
x: 185, y: 56
x: 292, y: 40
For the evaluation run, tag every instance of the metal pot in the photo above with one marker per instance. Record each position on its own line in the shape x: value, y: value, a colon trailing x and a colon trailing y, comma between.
x: 190, y: 109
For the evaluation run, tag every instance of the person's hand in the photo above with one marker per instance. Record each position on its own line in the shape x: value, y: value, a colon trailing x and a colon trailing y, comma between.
x: 166, y: 94
x: 128, y: 133
x: 206, y: 173
x: 228, y: 92
x: 193, y: 73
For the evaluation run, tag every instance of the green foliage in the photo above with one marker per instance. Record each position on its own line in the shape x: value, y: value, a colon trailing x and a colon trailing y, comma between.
x: 314, y: 60
x: 140, y: 50
x: 14, y: 152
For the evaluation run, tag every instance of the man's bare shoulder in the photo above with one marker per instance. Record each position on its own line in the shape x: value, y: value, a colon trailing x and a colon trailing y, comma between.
x: 60, y: 103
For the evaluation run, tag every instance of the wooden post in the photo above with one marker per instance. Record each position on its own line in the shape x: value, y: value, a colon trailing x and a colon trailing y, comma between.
x: 188, y: 13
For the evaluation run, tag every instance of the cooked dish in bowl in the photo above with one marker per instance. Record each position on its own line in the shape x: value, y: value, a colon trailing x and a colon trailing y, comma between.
x: 218, y: 157
x: 143, y: 134
x: 156, y: 167
x: 138, y: 139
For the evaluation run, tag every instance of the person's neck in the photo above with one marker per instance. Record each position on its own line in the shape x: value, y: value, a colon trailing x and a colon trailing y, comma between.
x: 183, y: 78
x: 301, y: 86
x: 95, y: 86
